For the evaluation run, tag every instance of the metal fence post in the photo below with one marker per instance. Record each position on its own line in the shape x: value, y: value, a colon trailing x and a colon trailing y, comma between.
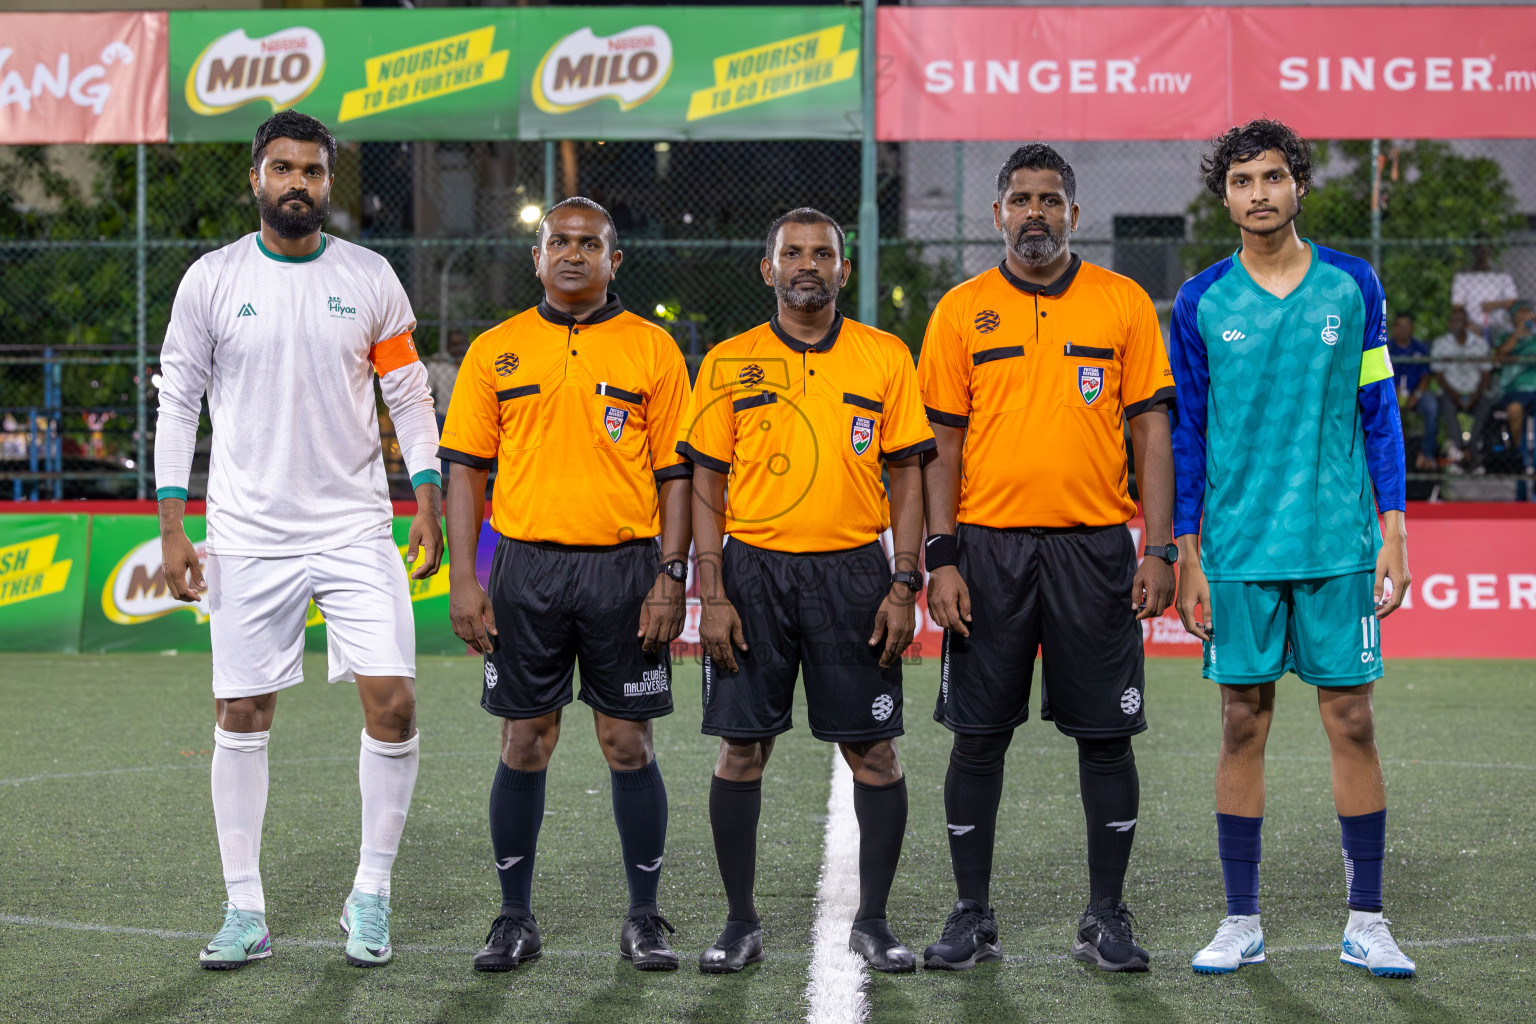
x: 959, y: 212
x: 1376, y: 206
x: 141, y: 374
x: 549, y: 174
x: 869, y: 209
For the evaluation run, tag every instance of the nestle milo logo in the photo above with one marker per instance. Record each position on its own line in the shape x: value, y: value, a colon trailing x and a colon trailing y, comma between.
x: 235, y: 69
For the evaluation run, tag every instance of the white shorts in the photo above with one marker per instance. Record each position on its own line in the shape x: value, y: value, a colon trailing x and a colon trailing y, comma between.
x: 257, y: 608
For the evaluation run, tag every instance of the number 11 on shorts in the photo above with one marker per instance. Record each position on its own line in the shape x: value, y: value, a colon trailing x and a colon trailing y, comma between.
x: 1370, y: 637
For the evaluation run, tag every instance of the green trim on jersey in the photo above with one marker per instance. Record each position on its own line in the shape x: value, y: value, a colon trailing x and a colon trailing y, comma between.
x: 171, y: 492
x: 427, y: 476
x: 280, y: 258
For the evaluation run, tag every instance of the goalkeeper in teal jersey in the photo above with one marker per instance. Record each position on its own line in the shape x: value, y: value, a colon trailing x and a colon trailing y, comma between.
x: 1286, y: 425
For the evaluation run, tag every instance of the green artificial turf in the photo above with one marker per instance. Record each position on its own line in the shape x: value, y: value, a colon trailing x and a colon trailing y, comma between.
x: 109, y: 869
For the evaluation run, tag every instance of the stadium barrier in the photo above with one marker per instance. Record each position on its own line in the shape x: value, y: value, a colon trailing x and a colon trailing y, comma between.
x: 86, y: 576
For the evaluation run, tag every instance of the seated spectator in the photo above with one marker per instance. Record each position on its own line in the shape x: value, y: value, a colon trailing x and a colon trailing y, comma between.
x: 1465, y: 386
x: 1412, y: 381
x: 1484, y: 293
x: 1519, y: 379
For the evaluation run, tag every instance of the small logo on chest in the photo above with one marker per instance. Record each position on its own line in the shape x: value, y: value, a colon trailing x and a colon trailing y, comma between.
x: 1233, y: 335
x: 613, y: 422
x: 339, y: 309
x: 506, y: 364
x: 1331, y: 330
x: 751, y: 375
x: 986, y: 321
x: 1090, y: 381
x: 246, y: 310
x: 862, y: 433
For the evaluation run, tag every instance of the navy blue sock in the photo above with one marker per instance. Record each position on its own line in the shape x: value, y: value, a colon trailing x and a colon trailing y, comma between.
x: 640, y: 810
x: 1365, y: 844
x: 1238, y: 845
x: 517, y: 811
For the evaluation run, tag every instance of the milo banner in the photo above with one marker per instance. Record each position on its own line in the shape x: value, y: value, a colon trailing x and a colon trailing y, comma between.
x: 42, y: 581
x: 696, y: 73
x: 128, y: 606
x: 377, y: 74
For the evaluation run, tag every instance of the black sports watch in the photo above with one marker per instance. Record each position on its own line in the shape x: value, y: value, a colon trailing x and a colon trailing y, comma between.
x: 1168, y: 553
x: 677, y: 569
x: 910, y: 578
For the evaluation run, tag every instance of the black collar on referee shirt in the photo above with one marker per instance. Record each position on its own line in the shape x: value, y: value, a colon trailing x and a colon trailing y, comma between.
x: 824, y: 345
x: 607, y: 311
x: 1053, y: 289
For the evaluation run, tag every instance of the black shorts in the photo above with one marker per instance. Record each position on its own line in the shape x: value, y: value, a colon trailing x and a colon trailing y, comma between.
x: 556, y: 606
x: 814, y: 611
x: 1066, y: 593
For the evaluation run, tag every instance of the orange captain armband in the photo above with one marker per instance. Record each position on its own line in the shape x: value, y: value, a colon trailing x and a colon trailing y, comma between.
x: 392, y: 353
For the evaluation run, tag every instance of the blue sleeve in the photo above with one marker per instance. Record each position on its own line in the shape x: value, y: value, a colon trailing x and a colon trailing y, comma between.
x: 1379, y: 415
x: 1192, y: 377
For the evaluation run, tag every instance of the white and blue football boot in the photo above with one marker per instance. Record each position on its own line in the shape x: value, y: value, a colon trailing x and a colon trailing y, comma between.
x: 1239, y: 940
x: 1368, y: 944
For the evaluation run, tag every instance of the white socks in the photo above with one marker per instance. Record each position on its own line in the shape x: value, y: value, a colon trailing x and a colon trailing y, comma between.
x: 239, y: 778
x: 386, y: 775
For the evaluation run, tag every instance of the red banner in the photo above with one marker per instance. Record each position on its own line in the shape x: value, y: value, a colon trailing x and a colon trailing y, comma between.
x: 1388, y: 72
x: 1188, y: 72
x: 97, y: 77
x: 961, y: 73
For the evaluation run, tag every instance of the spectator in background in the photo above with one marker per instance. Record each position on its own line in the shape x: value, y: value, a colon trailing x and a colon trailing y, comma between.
x: 1412, y: 382
x: 1464, y: 385
x: 1486, y: 294
x: 1519, y: 379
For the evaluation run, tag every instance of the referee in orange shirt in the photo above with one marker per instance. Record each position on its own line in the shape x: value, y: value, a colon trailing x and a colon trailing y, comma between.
x: 577, y: 403
x: 798, y: 415
x: 1029, y: 371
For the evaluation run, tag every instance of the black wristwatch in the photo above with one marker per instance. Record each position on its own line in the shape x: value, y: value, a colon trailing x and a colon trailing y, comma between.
x: 1168, y: 553
x: 677, y: 569
x: 911, y: 579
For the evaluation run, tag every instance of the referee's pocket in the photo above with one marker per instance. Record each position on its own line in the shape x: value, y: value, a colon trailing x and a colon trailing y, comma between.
x: 617, y: 416
x: 1091, y: 379
x: 522, y: 418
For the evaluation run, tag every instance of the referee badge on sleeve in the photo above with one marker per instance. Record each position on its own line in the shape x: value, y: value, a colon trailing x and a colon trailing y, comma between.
x: 613, y: 422
x: 1090, y: 381
x: 862, y: 434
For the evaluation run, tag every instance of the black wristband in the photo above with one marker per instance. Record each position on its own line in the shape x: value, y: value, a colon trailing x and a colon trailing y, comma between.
x: 939, y: 550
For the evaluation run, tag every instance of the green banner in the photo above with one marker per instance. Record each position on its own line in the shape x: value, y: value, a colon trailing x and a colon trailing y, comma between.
x: 689, y: 73
x: 376, y: 74
x: 532, y: 73
x: 42, y: 581
x: 128, y: 606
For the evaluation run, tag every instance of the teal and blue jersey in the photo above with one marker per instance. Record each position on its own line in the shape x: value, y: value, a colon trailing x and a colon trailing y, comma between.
x: 1286, y: 420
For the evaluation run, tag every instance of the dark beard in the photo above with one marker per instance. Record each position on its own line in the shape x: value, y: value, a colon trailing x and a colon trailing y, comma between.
x: 1036, y: 252
x: 292, y: 225
x: 805, y: 302
x: 1270, y: 230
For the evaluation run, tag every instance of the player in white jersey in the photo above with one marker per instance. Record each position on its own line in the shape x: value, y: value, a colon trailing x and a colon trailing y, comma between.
x: 284, y: 331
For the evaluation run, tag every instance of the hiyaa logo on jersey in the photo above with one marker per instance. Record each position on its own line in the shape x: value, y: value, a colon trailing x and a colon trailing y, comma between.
x: 628, y: 67
x: 1331, y: 330
x: 281, y: 68
x: 340, y: 310
x: 136, y: 589
x: 1090, y: 381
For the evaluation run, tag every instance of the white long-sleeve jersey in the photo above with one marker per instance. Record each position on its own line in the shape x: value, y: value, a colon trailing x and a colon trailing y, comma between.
x: 286, y: 350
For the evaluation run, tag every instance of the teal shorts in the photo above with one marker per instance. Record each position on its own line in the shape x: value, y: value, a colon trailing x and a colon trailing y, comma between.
x: 1324, y: 630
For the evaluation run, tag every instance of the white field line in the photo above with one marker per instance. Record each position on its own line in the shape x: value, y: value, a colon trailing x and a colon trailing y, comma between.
x: 835, y: 993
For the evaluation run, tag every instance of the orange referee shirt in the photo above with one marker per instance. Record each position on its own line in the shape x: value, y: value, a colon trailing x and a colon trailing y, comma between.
x: 801, y: 430
x: 579, y: 418
x: 1041, y: 378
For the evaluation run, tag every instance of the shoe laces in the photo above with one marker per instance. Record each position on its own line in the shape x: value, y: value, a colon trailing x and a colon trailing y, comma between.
x: 1378, y: 937
x: 504, y: 931
x: 962, y: 921
x: 370, y: 920
x: 1115, y: 921
x: 230, y: 932
x: 648, y: 927
x: 1231, y: 932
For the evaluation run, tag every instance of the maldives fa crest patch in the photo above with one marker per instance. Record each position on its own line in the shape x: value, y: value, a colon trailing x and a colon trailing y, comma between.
x: 613, y: 422
x: 1090, y: 381
x: 862, y: 434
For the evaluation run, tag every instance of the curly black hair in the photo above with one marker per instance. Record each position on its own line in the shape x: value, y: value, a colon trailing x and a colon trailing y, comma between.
x: 290, y: 124
x: 1037, y: 156
x: 1247, y: 141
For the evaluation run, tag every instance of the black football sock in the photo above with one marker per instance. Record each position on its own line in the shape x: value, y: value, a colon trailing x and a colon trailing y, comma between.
x: 734, y: 809
x: 517, y: 811
x: 1111, y: 796
x: 973, y: 788
x: 640, y: 810
x: 882, y: 814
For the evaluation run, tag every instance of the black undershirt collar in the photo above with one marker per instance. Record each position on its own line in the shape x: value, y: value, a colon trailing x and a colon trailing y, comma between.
x: 607, y: 311
x: 1053, y: 289
x: 824, y: 345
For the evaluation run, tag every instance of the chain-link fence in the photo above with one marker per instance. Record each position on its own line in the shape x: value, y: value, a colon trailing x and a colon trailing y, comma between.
x: 93, y: 241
